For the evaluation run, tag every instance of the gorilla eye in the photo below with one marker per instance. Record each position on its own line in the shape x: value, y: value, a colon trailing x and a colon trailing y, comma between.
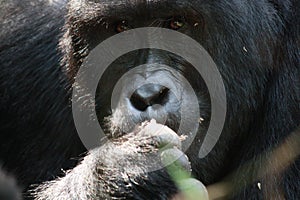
x: 122, y: 26
x: 176, y: 23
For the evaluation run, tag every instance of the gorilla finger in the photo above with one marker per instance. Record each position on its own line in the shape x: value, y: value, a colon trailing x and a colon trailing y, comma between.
x: 164, y: 136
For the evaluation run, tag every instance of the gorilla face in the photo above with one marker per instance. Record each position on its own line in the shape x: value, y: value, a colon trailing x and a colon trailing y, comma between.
x: 166, y: 93
x: 233, y: 40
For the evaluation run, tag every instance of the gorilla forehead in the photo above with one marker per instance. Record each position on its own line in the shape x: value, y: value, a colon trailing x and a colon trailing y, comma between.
x: 137, y: 2
x: 151, y: 8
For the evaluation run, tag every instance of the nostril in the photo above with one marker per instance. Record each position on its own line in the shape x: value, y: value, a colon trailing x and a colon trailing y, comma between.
x: 149, y: 95
x: 162, y: 96
x: 138, y: 102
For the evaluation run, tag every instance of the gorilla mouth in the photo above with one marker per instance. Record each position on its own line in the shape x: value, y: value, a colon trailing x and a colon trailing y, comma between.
x: 117, y: 125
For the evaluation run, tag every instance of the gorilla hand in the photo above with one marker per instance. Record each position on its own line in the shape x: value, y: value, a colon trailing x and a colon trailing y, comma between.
x: 131, y: 166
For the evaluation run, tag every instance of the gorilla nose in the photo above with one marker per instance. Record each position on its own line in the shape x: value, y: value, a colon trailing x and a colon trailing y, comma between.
x: 149, y: 95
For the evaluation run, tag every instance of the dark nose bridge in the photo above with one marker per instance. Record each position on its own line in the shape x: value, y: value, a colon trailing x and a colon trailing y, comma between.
x: 149, y: 56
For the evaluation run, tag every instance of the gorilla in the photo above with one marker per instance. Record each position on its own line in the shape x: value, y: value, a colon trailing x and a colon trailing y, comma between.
x: 255, y: 46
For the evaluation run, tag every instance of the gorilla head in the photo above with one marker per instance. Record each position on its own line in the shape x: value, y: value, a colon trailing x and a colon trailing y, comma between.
x: 234, y: 35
